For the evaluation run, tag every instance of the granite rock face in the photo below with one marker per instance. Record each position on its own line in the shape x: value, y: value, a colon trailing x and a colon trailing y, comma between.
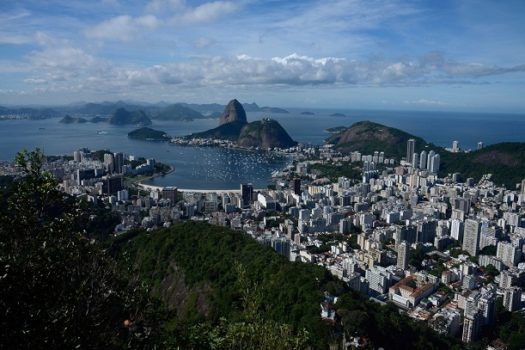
x: 234, y: 112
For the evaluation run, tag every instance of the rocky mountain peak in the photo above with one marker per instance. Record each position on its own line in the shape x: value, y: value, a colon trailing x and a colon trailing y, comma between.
x: 234, y: 112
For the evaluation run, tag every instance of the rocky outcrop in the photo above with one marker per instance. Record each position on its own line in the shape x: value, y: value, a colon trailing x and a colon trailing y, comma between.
x: 234, y: 112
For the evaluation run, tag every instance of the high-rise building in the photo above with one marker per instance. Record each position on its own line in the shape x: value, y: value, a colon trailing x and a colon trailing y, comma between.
x: 109, y: 162
x: 415, y: 160
x: 480, y: 145
x: 509, y: 253
x: 246, y: 194
x: 170, y: 193
x: 471, y: 235
x: 455, y: 146
x: 118, y: 162
x: 112, y: 185
x: 411, y: 146
x: 77, y: 157
x: 456, y: 230
x: 523, y: 191
x: 296, y: 186
x: 434, y: 164
x: 403, y: 250
x: 512, y: 298
x: 423, y: 160
x: 429, y: 159
x: 471, y: 326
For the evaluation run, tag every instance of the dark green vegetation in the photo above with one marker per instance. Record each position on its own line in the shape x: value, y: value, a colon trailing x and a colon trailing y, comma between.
x: 148, y: 134
x: 122, y: 116
x: 505, y: 161
x: 367, y: 137
x: 190, y: 268
x: 178, y: 112
x: 59, y: 289
x: 71, y: 120
x: 334, y: 171
x: 229, y: 131
x: 265, y: 133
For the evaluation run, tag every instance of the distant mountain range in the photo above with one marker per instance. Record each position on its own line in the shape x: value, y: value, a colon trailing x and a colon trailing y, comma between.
x: 161, y: 110
x: 505, y: 161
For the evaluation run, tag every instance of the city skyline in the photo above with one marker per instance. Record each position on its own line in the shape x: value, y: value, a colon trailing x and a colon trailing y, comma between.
x: 337, y: 54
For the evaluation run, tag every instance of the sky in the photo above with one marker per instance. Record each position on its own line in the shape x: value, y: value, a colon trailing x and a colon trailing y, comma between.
x: 458, y: 55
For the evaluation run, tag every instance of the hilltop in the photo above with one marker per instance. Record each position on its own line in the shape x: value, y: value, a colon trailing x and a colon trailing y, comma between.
x: 122, y: 116
x: 505, y: 161
x: 233, y: 126
x: 72, y: 120
x: 148, y: 134
x: 178, y: 112
x: 367, y: 137
x: 266, y: 133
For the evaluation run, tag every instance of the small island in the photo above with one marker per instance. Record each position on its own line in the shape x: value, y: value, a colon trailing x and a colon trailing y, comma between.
x: 307, y: 113
x: 148, y: 134
x: 72, y: 120
x: 337, y: 115
x: 336, y: 129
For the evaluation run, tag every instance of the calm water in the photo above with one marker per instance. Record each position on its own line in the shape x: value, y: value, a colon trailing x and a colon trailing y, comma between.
x: 208, y: 168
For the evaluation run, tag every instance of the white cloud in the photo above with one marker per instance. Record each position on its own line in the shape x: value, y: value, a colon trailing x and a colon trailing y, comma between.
x: 206, y: 12
x: 72, y: 69
x: 123, y: 27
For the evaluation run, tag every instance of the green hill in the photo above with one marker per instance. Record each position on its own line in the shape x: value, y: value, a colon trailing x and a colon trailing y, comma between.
x: 367, y: 137
x: 122, y: 117
x: 190, y: 267
x: 148, y: 134
x: 266, y: 133
x: 505, y: 161
x: 178, y: 112
x: 72, y: 120
x: 229, y: 131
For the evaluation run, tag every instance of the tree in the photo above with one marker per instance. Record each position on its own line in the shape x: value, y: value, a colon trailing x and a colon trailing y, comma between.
x: 59, y: 289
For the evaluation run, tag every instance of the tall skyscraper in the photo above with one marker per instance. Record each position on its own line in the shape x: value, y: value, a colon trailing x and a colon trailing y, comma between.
x: 109, y: 162
x: 423, y: 160
x: 297, y: 186
x: 415, y: 160
x: 411, y: 146
x: 434, y: 164
x: 480, y: 145
x: 512, y: 298
x: 509, y: 253
x: 246, y: 194
x: 403, y: 250
x: 523, y: 191
x: 118, y: 162
x: 429, y: 159
x: 455, y: 146
x: 471, y: 236
x: 471, y: 326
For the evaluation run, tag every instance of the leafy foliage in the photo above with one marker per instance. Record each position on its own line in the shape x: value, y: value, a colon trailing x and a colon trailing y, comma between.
x: 57, y: 288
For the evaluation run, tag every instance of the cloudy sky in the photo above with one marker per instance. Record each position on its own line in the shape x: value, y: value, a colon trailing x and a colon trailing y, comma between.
x: 362, y: 54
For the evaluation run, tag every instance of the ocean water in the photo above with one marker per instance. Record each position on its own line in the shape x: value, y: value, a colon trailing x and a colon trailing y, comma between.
x: 215, y: 168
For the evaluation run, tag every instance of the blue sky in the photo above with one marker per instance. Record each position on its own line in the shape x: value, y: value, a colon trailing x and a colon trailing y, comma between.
x: 360, y: 54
